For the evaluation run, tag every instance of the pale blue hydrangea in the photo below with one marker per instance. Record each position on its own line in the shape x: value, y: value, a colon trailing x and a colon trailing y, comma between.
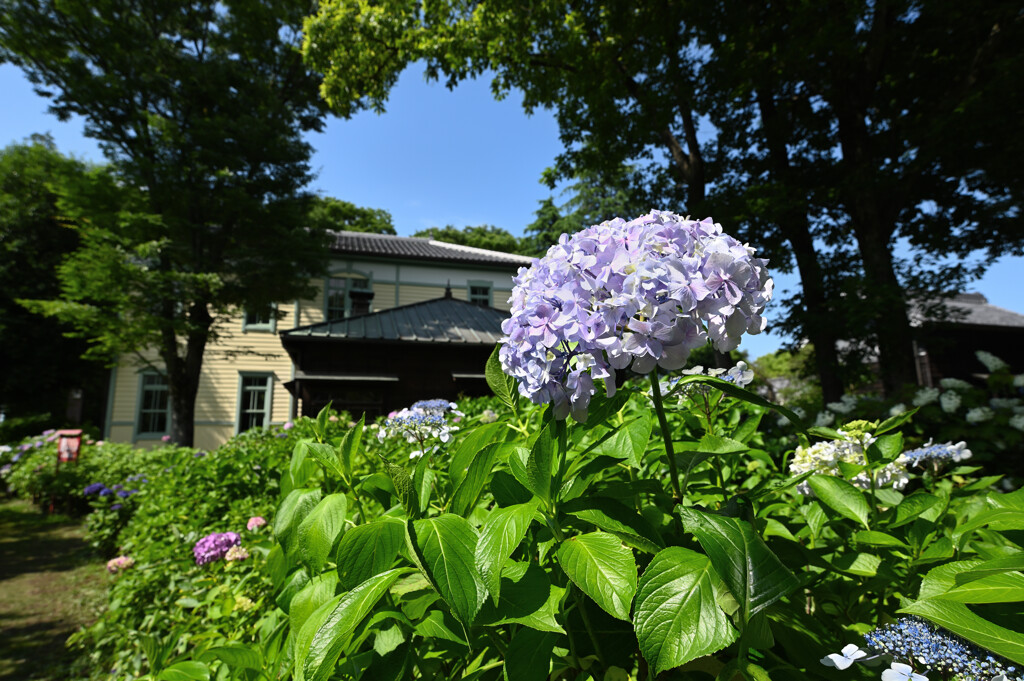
x: 628, y: 295
x: 933, y: 453
x: 1004, y: 402
x: 1017, y: 421
x: 932, y: 649
x: 416, y: 426
x: 845, y: 405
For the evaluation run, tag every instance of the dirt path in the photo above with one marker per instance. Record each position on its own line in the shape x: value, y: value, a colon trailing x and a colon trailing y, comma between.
x: 50, y: 585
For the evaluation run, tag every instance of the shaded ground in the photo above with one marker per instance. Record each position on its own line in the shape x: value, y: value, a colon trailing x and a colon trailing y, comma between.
x: 50, y: 585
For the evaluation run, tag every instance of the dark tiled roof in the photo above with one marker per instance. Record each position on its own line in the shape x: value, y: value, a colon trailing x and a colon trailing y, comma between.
x: 974, y: 309
x: 414, y: 248
x: 441, y: 320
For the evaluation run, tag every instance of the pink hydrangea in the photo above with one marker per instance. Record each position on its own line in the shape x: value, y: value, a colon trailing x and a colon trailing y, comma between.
x: 255, y: 523
x: 119, y: 564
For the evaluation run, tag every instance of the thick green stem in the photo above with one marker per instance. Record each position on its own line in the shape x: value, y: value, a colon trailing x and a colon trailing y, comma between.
x: 666, y: 435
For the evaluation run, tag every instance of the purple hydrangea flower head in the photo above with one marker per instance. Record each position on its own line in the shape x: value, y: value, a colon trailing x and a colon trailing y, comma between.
x: 94, y: 488
x: 199, y: 455
x: 106, y: 492
x: 214, y: 546
x: 936, y: 453
x: 628, y: 295
x: 124, y: 494
x: 117, y: 487
x: 116, y: 507
x: 439, y: 407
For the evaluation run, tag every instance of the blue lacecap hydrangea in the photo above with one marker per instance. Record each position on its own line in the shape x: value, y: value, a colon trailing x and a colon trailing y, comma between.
x: 628, y: 295
x: 915, y: 639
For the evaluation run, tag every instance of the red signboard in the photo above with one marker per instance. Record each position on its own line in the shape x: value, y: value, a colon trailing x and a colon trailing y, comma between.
x: 69, y: 443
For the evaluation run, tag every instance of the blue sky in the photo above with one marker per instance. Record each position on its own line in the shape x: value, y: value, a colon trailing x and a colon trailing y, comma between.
x: 436, y: 157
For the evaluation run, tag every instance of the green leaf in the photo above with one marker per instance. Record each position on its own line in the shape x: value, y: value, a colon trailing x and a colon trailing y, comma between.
x: 885, y: 448
x: 533, y: 468
x: 913, y: 506
x: 629, y: 442
x: 320, y: 529
x: 332, y: 636
x: 616, y: 518
x: 527, y: 598
x: 301, y: 468
x: 895, y: 421
x: 438, y: 624
x: 860, y: 564
x: 185, y: 671
x: 755, y: 576
x: 474, y: 441
x: 293, y: 509
x: 236, y: 656
x: 746, y: 430
x: 998, y: 518
x: 404, y: 488
x: 964, y: 623
x: 602, y: 568
x: 502, y: 385
x: 502, y: 532
x: 992, y: 567
x: 296, y: 583
x: 841, y: 497
x: 368, y: 550
x: 677, y: 617
x: 350, y: 445
x: 1007, y: 587
x: 528, y: 657
x: 303, y: 638
x: 468, y: 490
x: 321, y: 421
x: 873, y: 538
x: 447, y: 545
x: 315, y: 593
x: 326, y: 456
x: 734, y: 390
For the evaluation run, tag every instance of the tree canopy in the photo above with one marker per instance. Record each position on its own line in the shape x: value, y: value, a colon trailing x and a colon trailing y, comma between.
x: 478, y: 236
x: 40, y: 363
x: 832, y: 139
x: 329, y: 213
x: 201, y: 108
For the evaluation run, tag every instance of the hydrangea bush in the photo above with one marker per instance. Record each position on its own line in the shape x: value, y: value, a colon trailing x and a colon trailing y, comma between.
x: 663, y: 532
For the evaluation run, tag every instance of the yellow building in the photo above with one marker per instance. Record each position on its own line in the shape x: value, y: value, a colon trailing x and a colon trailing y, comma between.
x: 249, y: 379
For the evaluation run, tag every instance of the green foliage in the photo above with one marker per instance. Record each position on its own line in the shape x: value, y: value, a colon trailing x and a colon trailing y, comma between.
x: 327, y: 213
x: 201, y: 111
x: 480, y: 236
x: 534, y: 547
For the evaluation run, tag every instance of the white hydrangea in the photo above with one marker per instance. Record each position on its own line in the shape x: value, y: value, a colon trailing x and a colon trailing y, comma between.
x: 1003, y: 402
x: 1017, y: 421
x: 825, y: 419
x: 823, y: 458
x: 991, y: 362
x: 925, y: 396
x: 897, y: 409
x: 845, y: 405
x: 979, y: 415
x: 954, y: 384
x: 950, y: 402
x: 1018, y: 381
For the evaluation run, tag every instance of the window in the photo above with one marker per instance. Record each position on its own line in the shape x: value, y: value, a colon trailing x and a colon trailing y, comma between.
x: 260, y: 319
x: 480, y: 293
x: 347, y: 296
x: 154, y: 404
x: 254, y: 400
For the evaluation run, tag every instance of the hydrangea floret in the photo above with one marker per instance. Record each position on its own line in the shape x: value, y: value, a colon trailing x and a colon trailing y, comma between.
x: 823, y: 458
x: 255, y: 522
x: 214, y: 546
x: 628, y: 295
x: 937, y: 453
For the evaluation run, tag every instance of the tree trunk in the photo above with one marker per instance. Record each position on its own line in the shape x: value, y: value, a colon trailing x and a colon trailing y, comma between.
x: 873, y: 217
x: 816, y: 316
x: 183, y: 373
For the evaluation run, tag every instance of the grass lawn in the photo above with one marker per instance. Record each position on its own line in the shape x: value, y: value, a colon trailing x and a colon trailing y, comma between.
x: 50, y: 585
